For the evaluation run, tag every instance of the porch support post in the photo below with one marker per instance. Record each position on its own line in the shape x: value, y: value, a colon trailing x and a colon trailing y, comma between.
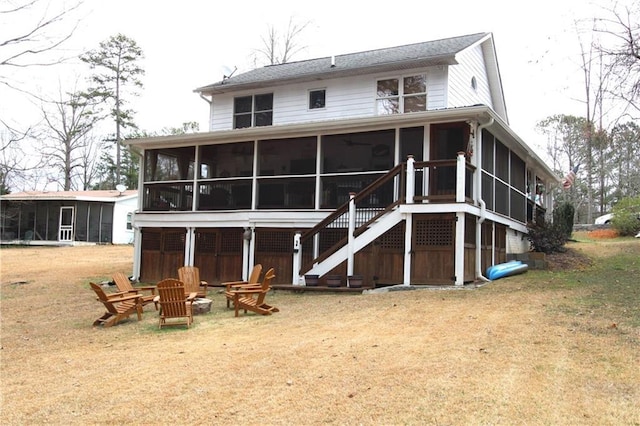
x: 247, y: 258
x: 297, y: 258
x: 460, y: 178
x: 411, y: 180
x: 459, y: 249
x: 189, y: 246
x: 350, y: 237
x: 137, y: 251
x: 408, y: 249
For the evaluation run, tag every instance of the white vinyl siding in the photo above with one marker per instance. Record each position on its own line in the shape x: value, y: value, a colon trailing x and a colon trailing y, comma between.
x: 350, y: 97
x: 471, y: 64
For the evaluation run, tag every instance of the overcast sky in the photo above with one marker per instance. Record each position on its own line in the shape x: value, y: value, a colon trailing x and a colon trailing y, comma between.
x: 190, y: 43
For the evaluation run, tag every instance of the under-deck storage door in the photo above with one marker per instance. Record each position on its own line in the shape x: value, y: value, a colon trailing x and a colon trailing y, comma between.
x: 433, y: 243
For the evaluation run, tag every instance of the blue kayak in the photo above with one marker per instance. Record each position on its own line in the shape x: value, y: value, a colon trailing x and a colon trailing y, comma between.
x: 507, y: 269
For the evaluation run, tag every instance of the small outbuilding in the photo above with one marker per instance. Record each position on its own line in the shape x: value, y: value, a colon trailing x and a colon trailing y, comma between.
x: 67, y: 217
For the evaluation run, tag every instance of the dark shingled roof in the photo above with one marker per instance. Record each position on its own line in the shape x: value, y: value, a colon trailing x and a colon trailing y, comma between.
x: 436, y: 52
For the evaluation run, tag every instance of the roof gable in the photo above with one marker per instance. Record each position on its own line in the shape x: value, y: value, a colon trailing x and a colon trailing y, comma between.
x: 436, y: 52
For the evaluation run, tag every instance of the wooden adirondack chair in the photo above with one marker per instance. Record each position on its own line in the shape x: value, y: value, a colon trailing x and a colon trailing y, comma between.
x: 174, y: 303
x: 119, y: 306
x: 190, y: 276
x: 252, y: 282
x: 124, y: 286
x: 252, y: 299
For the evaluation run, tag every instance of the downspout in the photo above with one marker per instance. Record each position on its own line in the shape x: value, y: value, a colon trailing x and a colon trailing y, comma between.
x: 210, y: 102
x: 483, y: 205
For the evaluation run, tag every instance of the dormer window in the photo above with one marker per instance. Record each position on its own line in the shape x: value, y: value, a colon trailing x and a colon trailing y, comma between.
x: 410, y: 96
x: 253, y: 111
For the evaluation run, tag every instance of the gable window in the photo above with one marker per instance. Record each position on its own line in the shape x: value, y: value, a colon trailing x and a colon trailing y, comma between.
x: 394, y: 97
x: 317, y: 99
x: 253, y: 111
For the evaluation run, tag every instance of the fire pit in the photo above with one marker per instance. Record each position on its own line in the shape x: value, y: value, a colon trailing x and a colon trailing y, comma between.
x: 201, y: 306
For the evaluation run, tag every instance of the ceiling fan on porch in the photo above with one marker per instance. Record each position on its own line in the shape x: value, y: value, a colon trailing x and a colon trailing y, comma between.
x: 350, y: 142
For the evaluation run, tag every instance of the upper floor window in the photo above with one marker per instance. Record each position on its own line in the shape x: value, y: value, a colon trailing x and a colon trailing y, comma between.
x: 408, y: 94
x: 253, y: 111
x: 317, y: 99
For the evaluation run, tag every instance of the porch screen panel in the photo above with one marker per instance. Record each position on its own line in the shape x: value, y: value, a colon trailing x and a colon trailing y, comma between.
x: 487, y: 151
x: 357, y: 152
x: 82, y: 221
x: 518, y: 206
x: 295, y: 156
x: 41, y: 221
x: 518, y: 175
x: 487, y: 190
x: 502, y: 198
x: 106, y: 226
x: 53, y: 220
x: 169, y: 164
x: 226, y: 160
x: 502, y: 161
x: 412, y: 143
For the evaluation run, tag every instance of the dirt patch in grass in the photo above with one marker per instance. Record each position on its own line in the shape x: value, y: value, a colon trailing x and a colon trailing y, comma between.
x: 571, y: 259
x: 515, y: 351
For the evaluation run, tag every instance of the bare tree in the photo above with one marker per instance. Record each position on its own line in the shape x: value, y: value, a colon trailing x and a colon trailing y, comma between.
x: 619, y: 42
x: 44, y: 27
x: 30, y: 45
x: 88, y: 158
x: 68, y: 120
x: 11, y: 166
x: 280, y: 48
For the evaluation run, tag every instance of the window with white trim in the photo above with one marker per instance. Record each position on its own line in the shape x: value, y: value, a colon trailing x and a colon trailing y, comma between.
x: 392, y: 97
x: 253, y: 111
x: 317, y: 98
x: 129, y: 221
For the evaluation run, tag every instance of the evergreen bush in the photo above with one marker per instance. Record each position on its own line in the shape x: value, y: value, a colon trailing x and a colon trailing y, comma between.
x: 547, y: 237
x: 563, y: 218
x: 626, y: 216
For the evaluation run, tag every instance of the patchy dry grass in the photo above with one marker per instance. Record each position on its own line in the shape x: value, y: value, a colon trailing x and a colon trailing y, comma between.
x: 546, y: 347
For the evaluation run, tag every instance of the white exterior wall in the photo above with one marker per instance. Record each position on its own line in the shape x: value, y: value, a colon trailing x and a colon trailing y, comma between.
x: 471, y: 64
x: 517, y: 242
x: 122, y: 235
x: 349, y: 97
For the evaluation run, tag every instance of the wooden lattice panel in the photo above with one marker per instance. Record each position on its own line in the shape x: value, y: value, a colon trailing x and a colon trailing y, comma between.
x: 231, y: 241
x: 268, y: 241
x: 434, y: 232
x: 206, y: 242
x: 174, y: 241
x: 330, y: 237
x: 394, y: 238
x: 151, y: 240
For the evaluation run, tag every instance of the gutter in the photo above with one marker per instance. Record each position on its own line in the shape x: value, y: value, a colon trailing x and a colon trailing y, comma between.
x: 483, y: 205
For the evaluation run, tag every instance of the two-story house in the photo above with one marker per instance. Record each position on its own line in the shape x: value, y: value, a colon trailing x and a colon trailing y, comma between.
x: 397, y: 164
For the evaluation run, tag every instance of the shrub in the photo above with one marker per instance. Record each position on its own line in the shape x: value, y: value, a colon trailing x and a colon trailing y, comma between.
x: 563, y: 218
x: 547, y: 237
x: 626, y: 216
